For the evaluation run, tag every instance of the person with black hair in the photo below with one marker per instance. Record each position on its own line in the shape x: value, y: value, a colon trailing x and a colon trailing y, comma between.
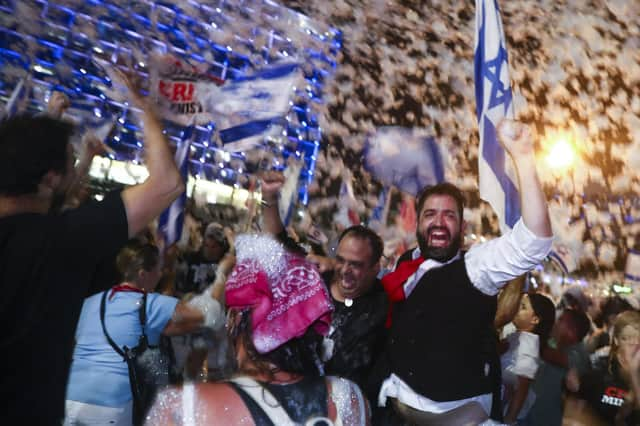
x: 48, y: 260
x: 599, y: 341
x: 450, y: 375
x: 563, y: 352
x: 279, y: 310
x: 533, y: 323
x: 358, y: 332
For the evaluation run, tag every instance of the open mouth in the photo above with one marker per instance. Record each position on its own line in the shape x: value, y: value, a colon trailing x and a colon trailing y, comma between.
x: 439, y: 237
x: 348, y: 283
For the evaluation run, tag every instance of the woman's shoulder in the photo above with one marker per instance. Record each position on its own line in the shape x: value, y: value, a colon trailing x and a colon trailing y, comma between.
x: 161, y: 297
x: 160, y: 302
x: 208, y: 403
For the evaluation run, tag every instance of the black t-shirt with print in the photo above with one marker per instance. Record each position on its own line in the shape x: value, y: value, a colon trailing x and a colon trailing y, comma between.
x: 48, y: 265
x: 196, y: 274
x: 604, y: 391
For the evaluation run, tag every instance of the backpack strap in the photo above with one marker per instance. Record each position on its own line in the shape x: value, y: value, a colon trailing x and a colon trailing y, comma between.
x: 125, y: 352
x: 104, y: 328
x: 143, y: 314
x: 265, y: 400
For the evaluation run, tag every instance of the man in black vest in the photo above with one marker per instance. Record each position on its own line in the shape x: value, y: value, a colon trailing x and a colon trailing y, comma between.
x: 440, y: 358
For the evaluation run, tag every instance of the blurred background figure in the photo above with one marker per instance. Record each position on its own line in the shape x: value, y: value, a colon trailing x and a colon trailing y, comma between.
x: 604, y: 395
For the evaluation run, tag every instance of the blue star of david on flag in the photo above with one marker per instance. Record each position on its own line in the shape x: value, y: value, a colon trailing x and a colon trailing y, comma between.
x: 493, y: 102
x: 500, y: 92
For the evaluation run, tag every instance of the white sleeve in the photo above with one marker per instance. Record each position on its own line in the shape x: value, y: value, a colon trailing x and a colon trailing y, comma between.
x: 490, y: 265
x: 527, y: 356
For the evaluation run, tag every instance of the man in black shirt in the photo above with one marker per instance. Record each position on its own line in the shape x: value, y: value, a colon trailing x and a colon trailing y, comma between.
x: 198, y: 269
x: 195, y: 273
x: 48, y: 260
x: 360, y: 305
x: 358, y: 331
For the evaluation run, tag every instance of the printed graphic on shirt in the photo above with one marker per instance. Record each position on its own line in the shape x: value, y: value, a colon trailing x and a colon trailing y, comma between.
x: 613, y: 396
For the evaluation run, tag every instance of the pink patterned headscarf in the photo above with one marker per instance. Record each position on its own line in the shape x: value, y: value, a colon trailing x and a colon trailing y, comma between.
x: 284, y: 291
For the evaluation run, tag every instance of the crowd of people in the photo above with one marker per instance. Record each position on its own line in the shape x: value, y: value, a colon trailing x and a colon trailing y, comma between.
x: 107, y: 325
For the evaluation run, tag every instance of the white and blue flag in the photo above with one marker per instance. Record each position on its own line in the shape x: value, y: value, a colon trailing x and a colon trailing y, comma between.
x: 172, y: 219
x: 289, y: 191
x: 403, y: 158
x: 245, y: 108
x: 494, y: 102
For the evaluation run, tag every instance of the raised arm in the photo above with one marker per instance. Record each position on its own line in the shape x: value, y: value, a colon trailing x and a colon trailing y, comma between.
x: 509, y: 301
x: 271, y: 184
x: 490, y: 265
x: 518, y: 142
x: 146, y: 201
x: 58, y: 104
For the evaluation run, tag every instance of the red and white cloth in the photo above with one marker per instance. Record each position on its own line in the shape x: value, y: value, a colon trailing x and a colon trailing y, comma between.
x: 284, y: 291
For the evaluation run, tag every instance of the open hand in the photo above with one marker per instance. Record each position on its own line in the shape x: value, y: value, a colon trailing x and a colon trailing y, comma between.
x: 132, y: 82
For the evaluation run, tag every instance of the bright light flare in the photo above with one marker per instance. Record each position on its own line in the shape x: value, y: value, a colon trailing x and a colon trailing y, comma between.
x: 562, y: 155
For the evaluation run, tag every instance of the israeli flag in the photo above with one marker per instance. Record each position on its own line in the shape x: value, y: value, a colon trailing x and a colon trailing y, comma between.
x: 493, y: 102
x: 247, y: 107
x: 172, y: 219
x: 403, y: 158
x: 378, y: 212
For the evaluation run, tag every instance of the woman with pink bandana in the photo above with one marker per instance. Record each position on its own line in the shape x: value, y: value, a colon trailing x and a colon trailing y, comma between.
x: 278, y: 312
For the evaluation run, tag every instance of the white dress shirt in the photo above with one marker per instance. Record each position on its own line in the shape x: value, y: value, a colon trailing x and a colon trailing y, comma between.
x: 490, y: 265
